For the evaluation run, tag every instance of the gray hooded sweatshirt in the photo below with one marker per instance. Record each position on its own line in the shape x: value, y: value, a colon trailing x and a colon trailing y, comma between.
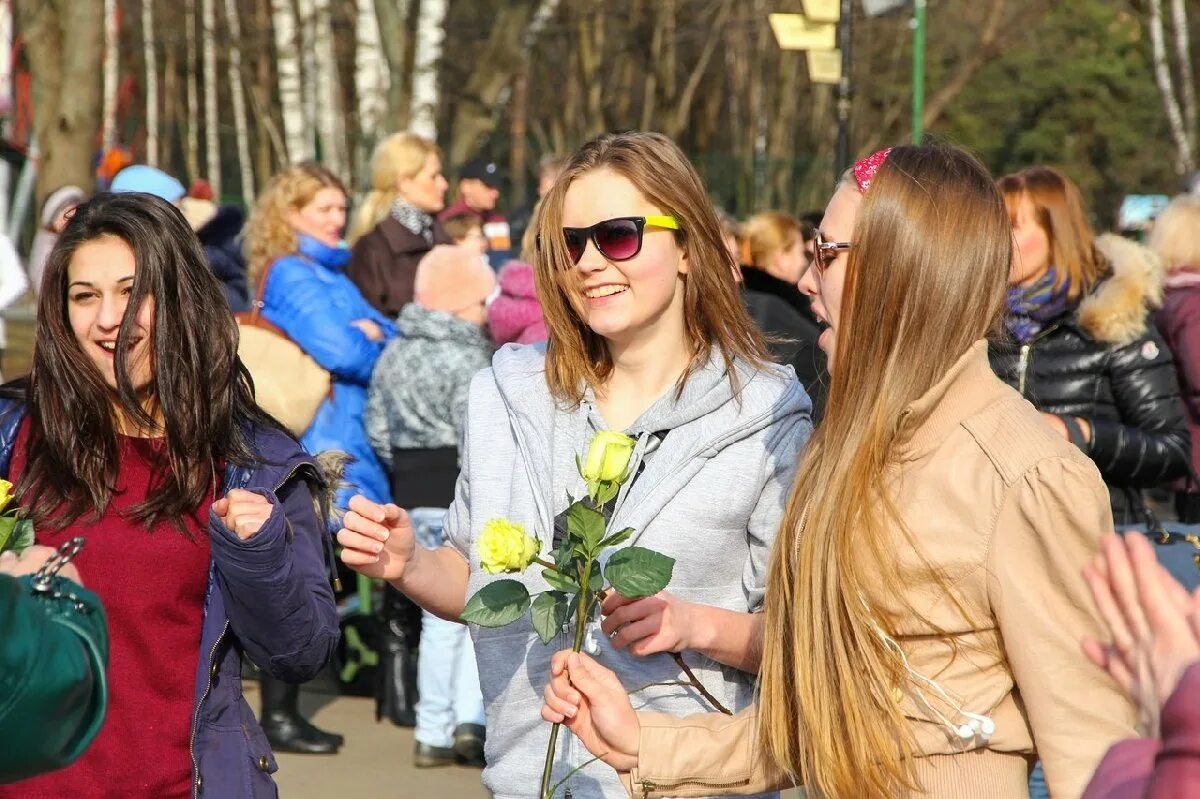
x: 718, y: 471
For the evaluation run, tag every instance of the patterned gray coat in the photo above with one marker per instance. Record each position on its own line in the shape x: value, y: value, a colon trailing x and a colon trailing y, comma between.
x: 418, y: 394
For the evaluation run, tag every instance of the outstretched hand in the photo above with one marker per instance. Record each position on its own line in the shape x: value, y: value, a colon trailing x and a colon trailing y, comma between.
x: 1153, y: 622
x: 590, y: 701
x: 377, y: 540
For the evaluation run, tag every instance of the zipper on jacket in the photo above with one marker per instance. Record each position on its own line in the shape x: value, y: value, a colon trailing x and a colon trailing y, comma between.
x: 649, y: 787
x: 196, y: 780
x: 1022, y: 367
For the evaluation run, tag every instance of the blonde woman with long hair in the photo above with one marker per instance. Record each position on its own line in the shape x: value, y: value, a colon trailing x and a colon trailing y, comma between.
x: 647, y: 335
x: 924, y: 600
x: 396, y: 223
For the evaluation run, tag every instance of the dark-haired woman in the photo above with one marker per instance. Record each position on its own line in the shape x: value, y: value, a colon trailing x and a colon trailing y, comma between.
x: 205, y: 521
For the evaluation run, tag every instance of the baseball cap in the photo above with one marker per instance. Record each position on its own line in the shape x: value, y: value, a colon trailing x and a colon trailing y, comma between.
x: 482, y: 169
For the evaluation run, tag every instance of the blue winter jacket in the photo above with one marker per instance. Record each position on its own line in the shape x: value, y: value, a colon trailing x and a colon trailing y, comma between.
x: 310, y: 298
x: 269, y: 596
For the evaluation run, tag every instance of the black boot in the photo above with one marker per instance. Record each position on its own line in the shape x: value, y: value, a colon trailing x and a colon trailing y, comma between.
x: 286, y: 729
x: 396, y: 676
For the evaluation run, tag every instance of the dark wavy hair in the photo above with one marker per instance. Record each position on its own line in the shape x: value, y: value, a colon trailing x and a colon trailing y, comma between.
x: 200, y: 397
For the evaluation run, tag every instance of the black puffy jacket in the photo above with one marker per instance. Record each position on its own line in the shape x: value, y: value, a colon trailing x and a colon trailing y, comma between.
x: 1105, y: 361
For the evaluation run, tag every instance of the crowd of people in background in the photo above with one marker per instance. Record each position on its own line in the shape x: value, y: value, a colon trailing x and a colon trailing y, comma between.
x: 957, y: 302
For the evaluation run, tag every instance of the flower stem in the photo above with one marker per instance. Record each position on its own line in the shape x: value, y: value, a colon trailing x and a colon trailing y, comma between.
x: 551, y: 566
x: 585, y: 606
x: 699, y: 686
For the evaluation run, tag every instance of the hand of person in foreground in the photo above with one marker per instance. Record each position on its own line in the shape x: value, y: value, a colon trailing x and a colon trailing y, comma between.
x: 1153, y: 622
x: 590, y: 701
x: 653, y: 624
x: 377, y: 540
x: 30, y: 560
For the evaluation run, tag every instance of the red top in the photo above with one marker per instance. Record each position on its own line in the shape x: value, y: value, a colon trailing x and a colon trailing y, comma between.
x: 152, y: 583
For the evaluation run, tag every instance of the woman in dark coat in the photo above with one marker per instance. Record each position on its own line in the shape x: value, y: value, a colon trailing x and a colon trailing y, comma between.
x: 397, y: 223
x: 1082, y: 346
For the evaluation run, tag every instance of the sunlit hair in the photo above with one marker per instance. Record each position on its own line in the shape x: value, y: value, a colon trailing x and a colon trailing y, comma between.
x: 401, y: 155
x: 199, y: 400
x: 1058, y: 210
x: 269, y: 232
x: 1175, y: 237
x: 713, y: 314
x: 767, y: 234
x: 925, y: 280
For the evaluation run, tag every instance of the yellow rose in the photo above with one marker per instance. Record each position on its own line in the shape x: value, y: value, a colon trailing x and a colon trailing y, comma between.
x: 504, y: 546
x: 608, y: 457
x: 6, y: 494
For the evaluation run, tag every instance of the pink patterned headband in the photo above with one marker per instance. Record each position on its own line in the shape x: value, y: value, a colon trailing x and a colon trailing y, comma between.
x: 864, y: 170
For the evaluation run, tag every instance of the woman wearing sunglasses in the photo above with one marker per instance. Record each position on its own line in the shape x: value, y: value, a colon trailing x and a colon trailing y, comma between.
x: 924, y: 597
x: 647, y: 335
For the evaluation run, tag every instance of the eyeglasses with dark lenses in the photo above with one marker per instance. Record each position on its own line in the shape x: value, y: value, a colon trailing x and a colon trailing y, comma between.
x: 824, y: 252
x: 617, y: 239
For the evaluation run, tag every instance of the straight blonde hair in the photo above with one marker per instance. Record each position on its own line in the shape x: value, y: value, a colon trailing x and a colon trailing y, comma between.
x: 401, y: 155
x: 1058, y: 210
x: 925, y: 280
x: 713, y: 312
x: 1175, y: 237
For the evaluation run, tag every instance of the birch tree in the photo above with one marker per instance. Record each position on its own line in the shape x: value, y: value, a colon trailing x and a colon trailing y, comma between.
x: 425, y: 90
x: 111, y: 75
x: 291, y: 96
x: 371, y: 78
x: 1183, y: 129
x: 64, y: 41
x: 237, y: 90
x: 392, y: 16
x: 151, y: 61
x: 192, y: 78
x: 212, y: 138
x: 331, y: 121
x: 6, y: 93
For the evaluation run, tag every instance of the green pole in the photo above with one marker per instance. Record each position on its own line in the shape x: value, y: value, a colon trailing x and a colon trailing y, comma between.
x: 918, y: 76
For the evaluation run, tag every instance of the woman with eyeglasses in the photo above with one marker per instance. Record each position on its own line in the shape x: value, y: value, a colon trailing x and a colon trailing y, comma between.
x: 647, y: 336
x: 925, y: 596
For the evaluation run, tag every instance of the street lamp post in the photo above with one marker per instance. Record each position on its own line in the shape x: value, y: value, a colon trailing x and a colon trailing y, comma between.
x: 845, y: 92
x: 918, y: 72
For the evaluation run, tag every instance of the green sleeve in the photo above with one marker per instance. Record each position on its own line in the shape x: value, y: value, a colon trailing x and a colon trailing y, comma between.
x: 53, y: 691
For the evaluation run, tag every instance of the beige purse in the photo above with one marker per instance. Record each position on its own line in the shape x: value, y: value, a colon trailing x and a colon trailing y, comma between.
x: 288, y: 383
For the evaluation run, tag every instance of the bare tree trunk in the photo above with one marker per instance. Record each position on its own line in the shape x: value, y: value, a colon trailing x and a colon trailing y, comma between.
x: 192, y: 154
x: 392, y: 16
x: 64, y: 43
x: 370, y: 81
x: 309, y: 82
x: 425, y: 89
x: 1184, y: 155
x: 1187, y: 78
x: 291, y: 96
x: 590, y: 56
x: 330, y: 120
x: 151, y: 60
x: 683, y: 103
x: 212, y: 126
x: 112, y: 65
x: 237, y: 89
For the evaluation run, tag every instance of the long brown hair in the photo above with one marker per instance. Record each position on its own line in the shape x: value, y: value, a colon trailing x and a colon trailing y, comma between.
x: 269, y: 233
x: 201, y: 400
x: 713, y: 312
x: 1059, y: 212
x: 925, y: 280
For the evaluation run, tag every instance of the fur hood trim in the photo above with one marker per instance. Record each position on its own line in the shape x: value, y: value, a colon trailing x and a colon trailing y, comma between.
x: 1117, y: 310
x: 331, y: 470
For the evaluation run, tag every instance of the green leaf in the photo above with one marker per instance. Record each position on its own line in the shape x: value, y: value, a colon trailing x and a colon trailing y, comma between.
x: 497, y: 604
x: 607, y: 492
x: 560, y: 581
x: 587, y: 524
x: 8, y: 526
x: 549, y: 613
x: 617, y: 538
x: 23, y: 535
x: 637, y: 572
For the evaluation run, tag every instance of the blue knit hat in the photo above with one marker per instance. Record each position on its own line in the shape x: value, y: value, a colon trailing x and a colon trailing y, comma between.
x: 140, y: 177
